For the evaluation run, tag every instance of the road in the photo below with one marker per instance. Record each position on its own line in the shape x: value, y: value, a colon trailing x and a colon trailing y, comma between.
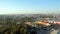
x: 55, y: 30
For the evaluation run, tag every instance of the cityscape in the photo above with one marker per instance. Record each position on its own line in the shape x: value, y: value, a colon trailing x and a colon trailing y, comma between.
x: 29, y: 16
x: 29, y: 24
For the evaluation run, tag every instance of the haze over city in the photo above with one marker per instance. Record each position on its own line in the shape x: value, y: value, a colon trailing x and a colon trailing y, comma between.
x: 29, y: 16
x: 29, y: 6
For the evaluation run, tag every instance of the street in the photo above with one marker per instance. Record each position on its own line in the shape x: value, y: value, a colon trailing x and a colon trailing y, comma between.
x: 54, y: 30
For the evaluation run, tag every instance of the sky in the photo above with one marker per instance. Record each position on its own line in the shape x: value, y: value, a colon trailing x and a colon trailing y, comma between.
x: 29, y: 6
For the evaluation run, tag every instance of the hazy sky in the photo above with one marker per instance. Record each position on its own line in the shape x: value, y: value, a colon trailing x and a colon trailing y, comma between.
x: 29, y: 6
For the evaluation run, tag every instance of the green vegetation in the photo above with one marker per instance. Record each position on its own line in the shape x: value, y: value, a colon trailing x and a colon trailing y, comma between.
x: 15, y: 29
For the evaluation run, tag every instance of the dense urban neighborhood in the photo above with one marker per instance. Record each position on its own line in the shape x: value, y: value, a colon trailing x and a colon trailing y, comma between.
x: 29, y: 24
x: 29, y: 16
